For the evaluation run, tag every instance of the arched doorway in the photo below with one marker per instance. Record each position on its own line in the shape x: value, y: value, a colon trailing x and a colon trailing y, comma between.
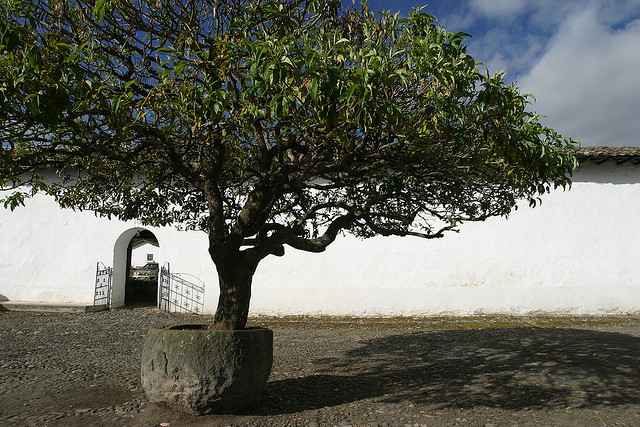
x: 135, y: 269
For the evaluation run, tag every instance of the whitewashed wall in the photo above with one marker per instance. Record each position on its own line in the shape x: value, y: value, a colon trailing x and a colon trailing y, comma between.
x: 577, y: 253
x: 48, y: 254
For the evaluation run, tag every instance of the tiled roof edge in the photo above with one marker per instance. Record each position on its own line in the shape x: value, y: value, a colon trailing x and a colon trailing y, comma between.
x: 601, y: 151
x: 598, y: 155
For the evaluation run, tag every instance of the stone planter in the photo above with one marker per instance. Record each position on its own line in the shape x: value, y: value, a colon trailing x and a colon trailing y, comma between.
x: 202, y: 371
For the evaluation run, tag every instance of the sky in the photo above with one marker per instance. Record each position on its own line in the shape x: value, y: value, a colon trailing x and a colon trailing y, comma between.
x: 579, y: 58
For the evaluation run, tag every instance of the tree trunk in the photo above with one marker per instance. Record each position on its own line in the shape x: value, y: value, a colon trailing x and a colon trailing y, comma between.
x: 235, y: 275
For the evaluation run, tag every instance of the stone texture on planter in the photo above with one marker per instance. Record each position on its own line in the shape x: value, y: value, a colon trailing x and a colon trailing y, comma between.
x: 206, y: 371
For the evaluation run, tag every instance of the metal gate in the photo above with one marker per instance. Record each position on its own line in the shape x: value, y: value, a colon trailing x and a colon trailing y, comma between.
x: 102, y: 294
x: 179, y: 295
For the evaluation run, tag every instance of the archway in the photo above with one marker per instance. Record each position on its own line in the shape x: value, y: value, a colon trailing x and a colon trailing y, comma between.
x: 135, y: 268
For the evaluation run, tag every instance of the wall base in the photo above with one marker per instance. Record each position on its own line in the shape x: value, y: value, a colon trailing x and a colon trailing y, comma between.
x: 51, y: 308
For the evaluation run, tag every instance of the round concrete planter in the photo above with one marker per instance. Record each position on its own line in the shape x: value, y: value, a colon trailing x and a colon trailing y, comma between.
x: 203, y: 371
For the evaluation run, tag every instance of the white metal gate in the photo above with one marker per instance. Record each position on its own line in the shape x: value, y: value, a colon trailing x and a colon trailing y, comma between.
x: 179, y: 295
x: 102, y: 292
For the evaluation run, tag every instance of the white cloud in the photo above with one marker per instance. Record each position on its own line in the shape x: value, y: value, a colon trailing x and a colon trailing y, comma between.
x: 511, y: 34
x: 499, y: 8
x: 512, y: 55
x: 587, y: 82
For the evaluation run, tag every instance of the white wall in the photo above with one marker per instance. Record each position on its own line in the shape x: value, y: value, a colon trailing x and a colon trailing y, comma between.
x: 574, y: 254
x: 577, y: 253
x: 49, y: 254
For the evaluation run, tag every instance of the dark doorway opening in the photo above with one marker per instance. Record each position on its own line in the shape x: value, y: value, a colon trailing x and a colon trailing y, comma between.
x: 141, y: 288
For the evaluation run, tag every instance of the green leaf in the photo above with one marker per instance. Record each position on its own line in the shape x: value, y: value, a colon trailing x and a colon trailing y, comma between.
x: 100, y: 9
x: 313, y: 88
x: 350, y: 92
x: 179, y: 68
x: 266, y: 73
x: 253, y: 71
x: 13, y: 201
x: 117, y: 102
x: 276, y: 105
x: 167, y: 49
x: 19, y: 80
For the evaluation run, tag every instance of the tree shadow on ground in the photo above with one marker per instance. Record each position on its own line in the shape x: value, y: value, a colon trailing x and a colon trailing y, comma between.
x: 511, y: 369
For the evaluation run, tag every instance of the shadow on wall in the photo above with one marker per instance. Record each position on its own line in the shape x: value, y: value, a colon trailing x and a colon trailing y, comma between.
x: 607, y: 173
x: 512, y: 369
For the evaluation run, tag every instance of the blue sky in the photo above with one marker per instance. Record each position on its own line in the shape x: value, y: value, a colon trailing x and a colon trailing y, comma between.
x: 580, y: 58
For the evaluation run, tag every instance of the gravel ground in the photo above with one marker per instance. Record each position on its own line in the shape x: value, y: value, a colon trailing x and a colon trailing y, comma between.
x: 67, y: 369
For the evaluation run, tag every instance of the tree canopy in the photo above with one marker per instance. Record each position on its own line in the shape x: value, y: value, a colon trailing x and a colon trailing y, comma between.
x: 264, y: 123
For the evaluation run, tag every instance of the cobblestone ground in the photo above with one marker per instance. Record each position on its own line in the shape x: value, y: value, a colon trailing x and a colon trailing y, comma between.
x: 83, y: 369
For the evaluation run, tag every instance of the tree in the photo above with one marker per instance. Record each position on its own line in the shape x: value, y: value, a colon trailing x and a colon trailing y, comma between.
x: 264, y: 123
